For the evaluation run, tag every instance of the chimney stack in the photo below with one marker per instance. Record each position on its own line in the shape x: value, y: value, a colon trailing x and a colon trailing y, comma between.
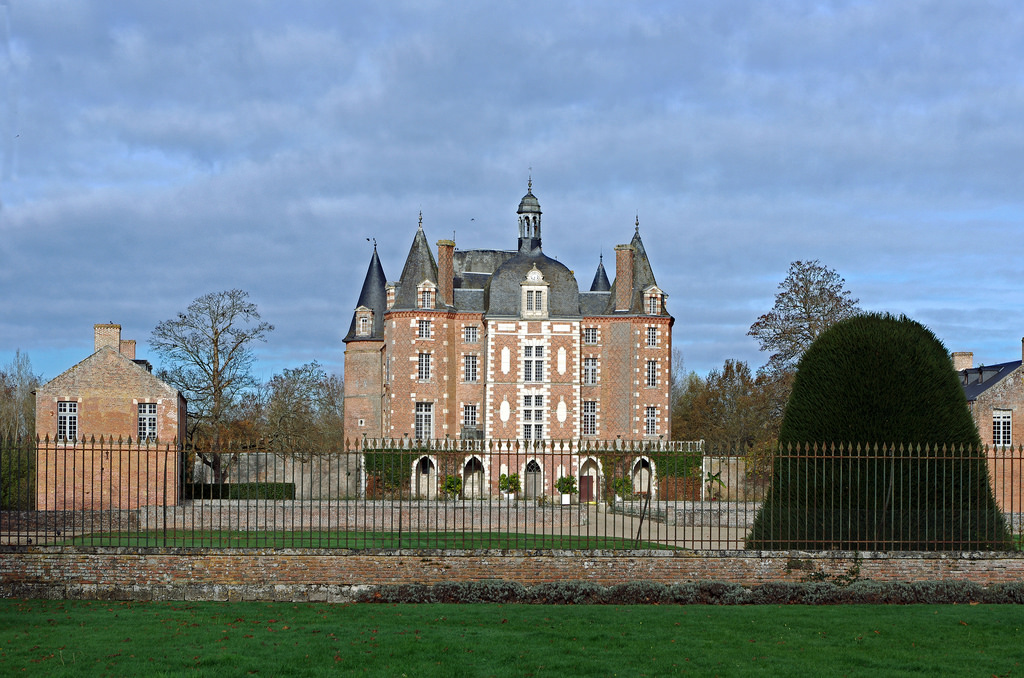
x: 107, y: 335
x: 446, y: 270
x: 964, y: 360
x: 128, y: 348
x: 623, y: 277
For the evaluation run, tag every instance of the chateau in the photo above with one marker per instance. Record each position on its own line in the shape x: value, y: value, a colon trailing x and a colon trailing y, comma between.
x: 502, y: 344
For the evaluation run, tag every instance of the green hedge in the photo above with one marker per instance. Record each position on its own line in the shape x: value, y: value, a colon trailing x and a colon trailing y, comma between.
x: 861, y: 592
x: 239, y: 490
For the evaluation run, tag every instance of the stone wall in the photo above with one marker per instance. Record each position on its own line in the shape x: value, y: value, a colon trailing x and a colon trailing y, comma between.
x: 312, y: 575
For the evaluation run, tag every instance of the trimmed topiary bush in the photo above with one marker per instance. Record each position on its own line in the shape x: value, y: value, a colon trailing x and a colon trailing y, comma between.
x: 878, y: 450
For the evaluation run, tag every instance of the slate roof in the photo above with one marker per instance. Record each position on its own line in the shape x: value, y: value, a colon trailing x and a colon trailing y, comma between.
x: 374, y: 297
x: 977, y: 380
x: 489, y: 280
x: 601, y: 283
x: 643, y: 277
x: 419, y: 267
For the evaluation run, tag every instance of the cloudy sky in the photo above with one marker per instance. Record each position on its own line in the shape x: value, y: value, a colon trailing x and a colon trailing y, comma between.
x: 154, y: 152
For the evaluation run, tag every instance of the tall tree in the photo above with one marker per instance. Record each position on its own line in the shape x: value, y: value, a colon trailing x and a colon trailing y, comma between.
x: 728, y: 409
x: 17, y: 400
x: 810, y: 300
x: 303, y: 411
x: 208, y: 354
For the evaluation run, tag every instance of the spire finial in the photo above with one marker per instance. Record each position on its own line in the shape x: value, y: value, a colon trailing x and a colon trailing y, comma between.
x: 421, y: 220
x: 529, y: 182
x: 637, y: 222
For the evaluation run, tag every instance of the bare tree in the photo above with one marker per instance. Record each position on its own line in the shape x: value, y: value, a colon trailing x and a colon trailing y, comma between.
x: 809, y: 301
x: 208, y: 355
x: 17, y: 400
x: 303, y: 415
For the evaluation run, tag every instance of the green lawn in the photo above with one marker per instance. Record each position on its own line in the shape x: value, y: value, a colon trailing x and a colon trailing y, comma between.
x: 87, y: 638
x: 359, y: 540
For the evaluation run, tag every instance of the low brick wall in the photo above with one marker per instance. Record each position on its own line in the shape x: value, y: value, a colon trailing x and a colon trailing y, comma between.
x: 313, y: 575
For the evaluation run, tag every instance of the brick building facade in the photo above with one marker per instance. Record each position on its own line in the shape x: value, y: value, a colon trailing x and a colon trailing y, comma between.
x: 503, y: 345
x: 114, y: 396
x: 995, y: 396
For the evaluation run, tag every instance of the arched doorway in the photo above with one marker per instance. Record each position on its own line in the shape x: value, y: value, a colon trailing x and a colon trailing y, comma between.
x: 643, y: 481
x: 589, y: 484
x: 473, y: 479
x: 425, y: 479
x: 534, y: 486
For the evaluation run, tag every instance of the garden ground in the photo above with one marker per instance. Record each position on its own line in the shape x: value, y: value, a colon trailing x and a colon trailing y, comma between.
x: 72, y: 638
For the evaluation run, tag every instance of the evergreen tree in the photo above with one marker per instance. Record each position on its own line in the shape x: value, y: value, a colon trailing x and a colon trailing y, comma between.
x: 888, y: 454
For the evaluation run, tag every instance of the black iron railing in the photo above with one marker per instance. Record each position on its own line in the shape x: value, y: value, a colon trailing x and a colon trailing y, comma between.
x: 610, y: 495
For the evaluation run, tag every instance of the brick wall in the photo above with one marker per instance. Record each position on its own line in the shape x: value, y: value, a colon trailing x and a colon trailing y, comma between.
x: 204, y: 574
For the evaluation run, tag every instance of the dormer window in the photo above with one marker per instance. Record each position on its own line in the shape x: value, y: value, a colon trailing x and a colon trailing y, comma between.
x: 653, y: 298
x: 364, y: 322
x: 426, y: 295
x: 534, y: 302
x: 389, y: 291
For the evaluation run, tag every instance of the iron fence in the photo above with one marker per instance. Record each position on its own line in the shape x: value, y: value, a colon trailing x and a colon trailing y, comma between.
x: 609, y: 495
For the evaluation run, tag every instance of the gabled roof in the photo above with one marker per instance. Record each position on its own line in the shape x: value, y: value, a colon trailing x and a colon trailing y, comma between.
x: 67, y: 381
x: 419, y: 267
x: 373, y: 297
x: 977, y: 380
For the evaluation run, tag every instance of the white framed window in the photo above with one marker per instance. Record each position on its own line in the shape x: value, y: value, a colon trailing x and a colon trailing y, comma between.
x: 533, y: 363
x: 423, y: 367
x: 364, y: 325
x: 651, y: 421
x: 1002, y: 427
x: 653, y: 304
x: 652, y: 336
x: 589, y: 371
x: 471, y: 334
x: 589, y: 424
x: 67, y: 421
x: 426, y: 297
x: 469, y: 372
x: 147, y: 421
x: 534, y: 302
x: 533, y: 417
x: 651, y: 375
x: 424, y: 424
x: 423, y: 329
x: 469, y: 416
x: 589, y: 335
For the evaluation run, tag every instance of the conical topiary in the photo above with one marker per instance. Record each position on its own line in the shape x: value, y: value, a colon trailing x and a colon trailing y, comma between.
x: 878, y: 450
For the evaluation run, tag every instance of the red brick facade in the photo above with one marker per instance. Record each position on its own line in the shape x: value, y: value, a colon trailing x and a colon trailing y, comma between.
x: 502, y: 345
x: 113, y: 396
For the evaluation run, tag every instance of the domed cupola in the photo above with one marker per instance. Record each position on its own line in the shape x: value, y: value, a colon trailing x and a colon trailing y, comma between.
x: 529, y: 221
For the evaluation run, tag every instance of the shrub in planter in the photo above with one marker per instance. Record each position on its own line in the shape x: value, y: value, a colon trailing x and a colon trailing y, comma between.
x: 509, y: 483
x: 867, y: 380
x: 566, y: 485
x: 623, y: 487
x: 451, y: 487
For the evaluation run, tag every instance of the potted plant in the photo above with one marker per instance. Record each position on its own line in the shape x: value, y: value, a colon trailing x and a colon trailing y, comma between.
x: 566, y: 485
x: 451, y: 487
x: 623, y: 488
x: 509, y: 485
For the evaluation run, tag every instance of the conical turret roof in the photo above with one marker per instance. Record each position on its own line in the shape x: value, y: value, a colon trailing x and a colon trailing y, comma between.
x: 372, y: 296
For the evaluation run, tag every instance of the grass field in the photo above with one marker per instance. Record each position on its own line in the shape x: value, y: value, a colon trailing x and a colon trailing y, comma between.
x: 359, y: 540
x: 90, y: 638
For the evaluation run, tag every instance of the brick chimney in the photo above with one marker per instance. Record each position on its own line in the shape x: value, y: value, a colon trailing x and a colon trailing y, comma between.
x: 623, y: 277
x: 128, y: 348
x: 107, y: 335
x: 446, y: 270
x: 964, y: 360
